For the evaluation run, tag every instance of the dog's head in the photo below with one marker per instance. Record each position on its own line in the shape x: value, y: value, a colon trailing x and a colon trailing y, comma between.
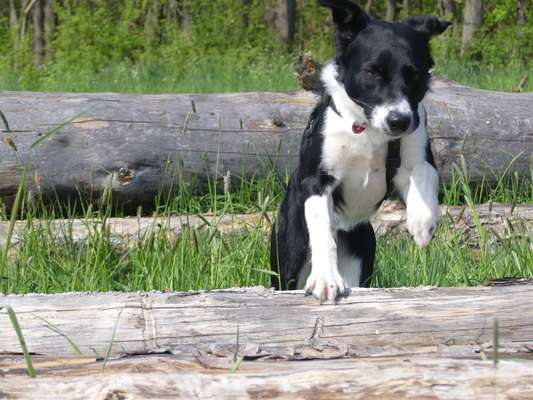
x: 384, y: 67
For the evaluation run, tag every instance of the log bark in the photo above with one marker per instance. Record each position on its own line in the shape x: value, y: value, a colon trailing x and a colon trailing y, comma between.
x: 499, y: 221
x: 139, y: 146
x: 374, y: 344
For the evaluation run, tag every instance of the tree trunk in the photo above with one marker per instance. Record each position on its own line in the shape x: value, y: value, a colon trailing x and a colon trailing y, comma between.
x: 49, y: 27
x: 417, y: 343
x: 473, y: 18
x: 391, y: 10
x: 141, y: 144
x: 368, y: 6
x: 522, y: 14
x: 38, y: 34
x: 245, y: 12
x: 406, y: 7
x: 172, y: 11
x: 13, y: 17
x: 152, y: 25
x: 447, y: 9
x: 282, y: 19
x: 185, y: 12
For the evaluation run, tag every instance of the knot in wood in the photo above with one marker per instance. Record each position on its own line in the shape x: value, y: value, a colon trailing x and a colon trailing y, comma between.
x: 125, y: 176
x: 277, y: 120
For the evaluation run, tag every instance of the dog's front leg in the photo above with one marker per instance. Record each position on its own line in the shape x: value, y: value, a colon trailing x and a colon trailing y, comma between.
x: 324, y: 282
x: 418, y: 183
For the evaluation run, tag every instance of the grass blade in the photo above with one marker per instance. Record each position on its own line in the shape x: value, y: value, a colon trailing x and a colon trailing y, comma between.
x: 112, y: 340
x: 55, y: 130
x: 16, y: 326
x: 4, y: 120
x: 55, y: 329
x: 12, y: 221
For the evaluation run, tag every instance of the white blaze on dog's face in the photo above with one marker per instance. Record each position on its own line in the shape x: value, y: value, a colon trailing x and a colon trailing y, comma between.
x: 384, y: 67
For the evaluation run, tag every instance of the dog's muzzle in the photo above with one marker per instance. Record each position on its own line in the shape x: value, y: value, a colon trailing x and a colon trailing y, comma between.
x: 398, y: 123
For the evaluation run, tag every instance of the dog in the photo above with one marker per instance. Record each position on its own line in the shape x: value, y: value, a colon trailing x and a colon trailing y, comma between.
x: 370, y: 112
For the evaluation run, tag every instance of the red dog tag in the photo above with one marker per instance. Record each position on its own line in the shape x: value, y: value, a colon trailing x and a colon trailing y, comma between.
x: 357, y: 129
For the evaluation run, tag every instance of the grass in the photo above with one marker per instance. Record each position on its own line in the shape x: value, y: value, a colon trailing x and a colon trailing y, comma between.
x: 212, y: 259
x: 219, y: 76
x: 499, y: 78
x: 201, y: 77
x: 22, y: 341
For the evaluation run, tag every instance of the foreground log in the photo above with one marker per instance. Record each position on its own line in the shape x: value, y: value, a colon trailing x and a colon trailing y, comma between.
x: 139, y: 146
x: 496, y: 219
x: 375, y: 344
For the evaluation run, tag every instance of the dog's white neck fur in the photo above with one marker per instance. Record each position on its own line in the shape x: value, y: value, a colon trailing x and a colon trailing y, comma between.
x: 350, y: 112
x: 344, y: 104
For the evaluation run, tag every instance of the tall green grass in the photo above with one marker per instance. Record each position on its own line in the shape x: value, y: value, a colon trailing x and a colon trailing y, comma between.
x: 44, y: 262
x: 221, y: 75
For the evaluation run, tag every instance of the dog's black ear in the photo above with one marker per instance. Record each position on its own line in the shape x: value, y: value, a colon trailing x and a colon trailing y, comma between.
x: 428, y: 24
x: 349, y: 20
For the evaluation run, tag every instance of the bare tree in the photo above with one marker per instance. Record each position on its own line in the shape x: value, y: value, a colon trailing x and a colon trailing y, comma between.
x: 172, y: 11
x: 245, y: 12
x: 185, y: 13
x: 522, y: 15
x: 472, y: 20
x: 391, y: 10
x: 49, y: 27
x: 282, y: 19
x: 13, y: 17
x: 416, y: 5
x: 406, y: 6
x: 38, y: 36
x: 447, y: 8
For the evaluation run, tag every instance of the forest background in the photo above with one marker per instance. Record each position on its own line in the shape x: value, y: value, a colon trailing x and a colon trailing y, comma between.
x: 161, y: 46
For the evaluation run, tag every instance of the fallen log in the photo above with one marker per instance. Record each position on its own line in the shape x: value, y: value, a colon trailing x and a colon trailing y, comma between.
x: 375, y: 344
x: 141, y: 145
x: 499, y: 221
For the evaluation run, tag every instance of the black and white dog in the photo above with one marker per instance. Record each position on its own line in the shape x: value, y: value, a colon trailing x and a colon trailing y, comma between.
x: 372, y: 93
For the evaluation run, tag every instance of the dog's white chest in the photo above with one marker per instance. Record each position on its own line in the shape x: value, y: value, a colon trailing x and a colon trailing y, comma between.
x: 360, y: 172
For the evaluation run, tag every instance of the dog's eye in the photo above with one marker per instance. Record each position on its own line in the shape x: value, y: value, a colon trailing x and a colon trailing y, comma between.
x: 375, y: 72
x: 411, y: 75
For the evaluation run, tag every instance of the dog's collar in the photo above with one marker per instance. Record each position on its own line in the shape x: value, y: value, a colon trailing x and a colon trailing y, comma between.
x: 356, y: 128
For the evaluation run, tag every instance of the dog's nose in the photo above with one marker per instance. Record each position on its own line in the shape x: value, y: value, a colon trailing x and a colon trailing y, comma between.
x: 398, y: 122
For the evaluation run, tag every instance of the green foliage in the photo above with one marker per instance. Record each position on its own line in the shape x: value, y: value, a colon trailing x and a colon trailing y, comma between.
x: 141, y: 46
x: 50, y: 260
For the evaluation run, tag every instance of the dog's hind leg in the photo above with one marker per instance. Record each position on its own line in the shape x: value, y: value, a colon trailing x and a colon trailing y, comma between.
x: 355, y: 253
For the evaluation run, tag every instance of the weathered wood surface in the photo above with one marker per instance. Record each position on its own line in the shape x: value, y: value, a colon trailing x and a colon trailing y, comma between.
x: 140, y: 145
x: 384, y: 378
x: 499, y: 220
x: 377, y: 343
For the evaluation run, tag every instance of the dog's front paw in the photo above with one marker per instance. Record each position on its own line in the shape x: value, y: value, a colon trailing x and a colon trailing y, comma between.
x: 325, y: 286
x: 422, y: 224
